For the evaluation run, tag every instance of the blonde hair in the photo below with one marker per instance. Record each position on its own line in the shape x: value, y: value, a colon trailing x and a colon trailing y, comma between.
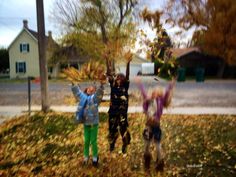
x: 159, y: 92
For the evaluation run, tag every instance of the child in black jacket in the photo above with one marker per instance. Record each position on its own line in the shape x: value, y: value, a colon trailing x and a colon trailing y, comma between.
x: 118, y: 120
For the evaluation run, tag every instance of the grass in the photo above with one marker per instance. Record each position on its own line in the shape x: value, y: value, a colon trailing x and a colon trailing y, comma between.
x: 52, y: 145
x: 8, y: 80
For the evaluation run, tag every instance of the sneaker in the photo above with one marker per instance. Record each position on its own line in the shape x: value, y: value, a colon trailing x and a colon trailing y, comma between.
x: 112, y: 147
x: 85, y: 162
x: 124, y: 149
x: 95, y: 163
x: 147, y: 161
x: 160, y: 166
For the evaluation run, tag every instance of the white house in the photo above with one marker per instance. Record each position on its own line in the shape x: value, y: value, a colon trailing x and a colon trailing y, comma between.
x: 135, y: 65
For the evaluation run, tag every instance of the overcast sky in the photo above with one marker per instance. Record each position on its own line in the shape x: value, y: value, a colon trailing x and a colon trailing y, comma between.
x: 13, y: 12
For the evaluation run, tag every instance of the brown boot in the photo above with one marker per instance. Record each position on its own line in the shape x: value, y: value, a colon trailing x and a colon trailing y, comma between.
x: 147, y: 160
x: 160, y: 165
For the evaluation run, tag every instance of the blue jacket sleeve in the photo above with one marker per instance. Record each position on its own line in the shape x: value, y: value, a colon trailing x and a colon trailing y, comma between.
x: 78, y: 93
x: 82, y: 98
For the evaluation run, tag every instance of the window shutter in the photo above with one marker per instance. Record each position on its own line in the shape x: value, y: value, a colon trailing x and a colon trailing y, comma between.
x: 28, y: 49
x: 24, y: 67
x: 20, y: 47
x: 16, y: 67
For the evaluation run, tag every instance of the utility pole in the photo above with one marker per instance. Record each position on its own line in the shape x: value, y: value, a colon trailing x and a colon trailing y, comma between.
x: 42, y: 56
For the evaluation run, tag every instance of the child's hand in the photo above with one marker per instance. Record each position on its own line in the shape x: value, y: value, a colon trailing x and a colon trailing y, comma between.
x: 74, y: 83
x: 103, y: 79
x: 128, y: 56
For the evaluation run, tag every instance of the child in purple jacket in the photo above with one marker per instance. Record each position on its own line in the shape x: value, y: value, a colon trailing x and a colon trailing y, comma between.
x: 153, y: 106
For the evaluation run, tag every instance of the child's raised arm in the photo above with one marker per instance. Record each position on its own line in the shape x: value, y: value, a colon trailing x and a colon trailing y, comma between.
x: 141, y: 87
x: 166, y: 96
x: 100, y: 91
x: 99, y: 94
x: 144, y: 94
x: 128, y: 57
x: 78, y: 93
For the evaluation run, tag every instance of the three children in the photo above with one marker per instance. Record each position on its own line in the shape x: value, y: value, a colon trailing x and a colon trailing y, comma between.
x: 153, y: 106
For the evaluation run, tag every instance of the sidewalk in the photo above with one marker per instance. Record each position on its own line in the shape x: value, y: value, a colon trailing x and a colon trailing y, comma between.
x: 11, y: 111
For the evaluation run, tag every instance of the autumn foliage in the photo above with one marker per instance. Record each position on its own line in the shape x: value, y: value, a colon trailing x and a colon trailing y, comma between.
x: 52, y: 145
x: 214, y: 22
x: 159, y: 49
x: 92, y: 70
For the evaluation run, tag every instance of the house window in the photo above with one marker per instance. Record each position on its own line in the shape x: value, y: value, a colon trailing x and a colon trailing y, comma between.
x: 20, y: 67
x: 50, y: 69
x: 75, y: 65
x: 24, y: 47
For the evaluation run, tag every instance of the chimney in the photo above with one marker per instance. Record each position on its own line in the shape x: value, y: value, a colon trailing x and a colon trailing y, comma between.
x: 50, y: 34
x: 25, y: 24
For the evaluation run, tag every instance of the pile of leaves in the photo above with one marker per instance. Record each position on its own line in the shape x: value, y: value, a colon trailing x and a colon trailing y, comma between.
x: 52, y: 145
x: 93, y: 70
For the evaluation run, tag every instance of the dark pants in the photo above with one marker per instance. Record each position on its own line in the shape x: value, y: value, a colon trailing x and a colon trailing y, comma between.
x: 152, y: 133
x: 118, y: 123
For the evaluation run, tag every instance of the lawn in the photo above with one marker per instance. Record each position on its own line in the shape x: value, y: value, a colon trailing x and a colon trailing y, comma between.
x: 52, y: 145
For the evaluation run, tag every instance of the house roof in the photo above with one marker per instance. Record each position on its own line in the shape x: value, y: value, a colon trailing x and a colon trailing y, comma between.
x: 35, y: 34
x: 135, y: 60
x: 179, y: 52
x: 139, y: 60
x: 32, y: 33
x: 72, y: 53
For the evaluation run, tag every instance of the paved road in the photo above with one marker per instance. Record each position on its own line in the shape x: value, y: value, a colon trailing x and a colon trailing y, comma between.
x: 212, y: 93
x: 209, y: 97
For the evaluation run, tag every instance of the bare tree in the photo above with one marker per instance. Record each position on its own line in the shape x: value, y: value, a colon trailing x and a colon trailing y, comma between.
x: 98, y: 26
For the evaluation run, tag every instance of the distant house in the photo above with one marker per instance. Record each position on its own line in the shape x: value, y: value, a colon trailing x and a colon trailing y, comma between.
x: 72, y: 57
x: 193, y: 58
x: 135, y: 65
x: 23, y: 53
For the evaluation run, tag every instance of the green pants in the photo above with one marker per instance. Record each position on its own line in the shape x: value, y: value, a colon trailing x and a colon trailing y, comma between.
x: 90, y: 137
